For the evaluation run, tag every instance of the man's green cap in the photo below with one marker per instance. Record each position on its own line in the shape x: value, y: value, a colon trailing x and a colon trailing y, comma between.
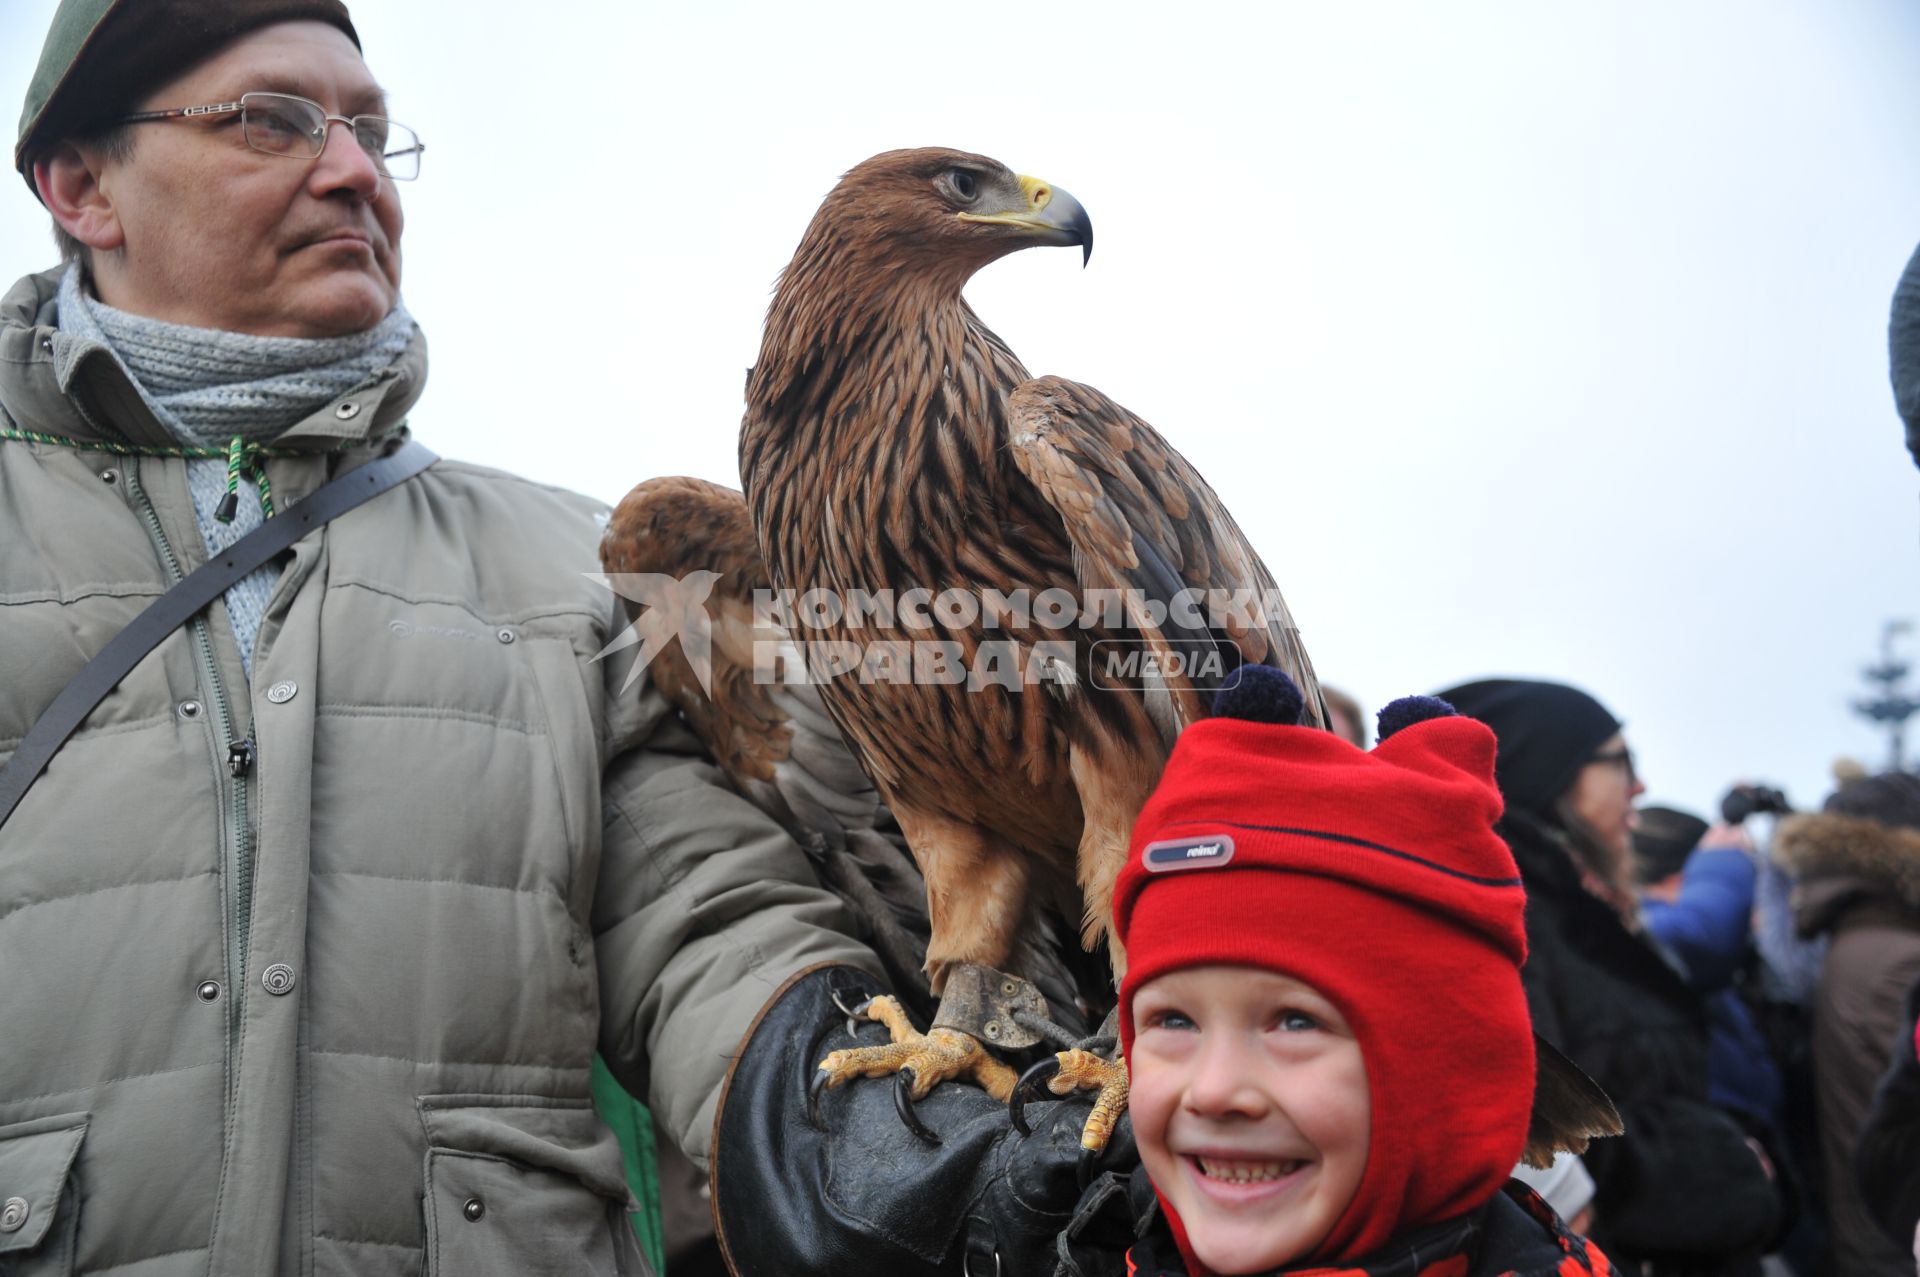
x: 103, y: 56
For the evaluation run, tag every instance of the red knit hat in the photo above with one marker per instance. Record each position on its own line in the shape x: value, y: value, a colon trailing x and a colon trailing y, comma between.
x: 1377, y: 879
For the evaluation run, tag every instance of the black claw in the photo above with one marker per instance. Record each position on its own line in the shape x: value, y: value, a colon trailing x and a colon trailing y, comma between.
x: 814, y: 1089
x: 903, y: 1105
x: 1083, y: 1173
x: 1031, y: 1086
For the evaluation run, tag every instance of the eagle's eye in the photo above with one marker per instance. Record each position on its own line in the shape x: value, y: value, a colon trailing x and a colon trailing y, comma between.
x: 964, y: 184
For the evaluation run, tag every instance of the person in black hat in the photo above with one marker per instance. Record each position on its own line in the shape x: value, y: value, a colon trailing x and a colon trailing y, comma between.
x: 1684, y: 1191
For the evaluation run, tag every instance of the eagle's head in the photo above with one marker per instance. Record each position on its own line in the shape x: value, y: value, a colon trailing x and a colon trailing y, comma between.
x: 943, y: 212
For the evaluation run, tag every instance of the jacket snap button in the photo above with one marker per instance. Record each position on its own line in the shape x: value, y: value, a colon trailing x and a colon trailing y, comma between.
x: 473, y: 1210
x: 109, y: 475
x: 347, y: 411
x: 282, y: 692
x: 208, y: 990
x: 189, y: 709
x: 278, y: 979
x: 506, y: 636
x: 14, y: 1214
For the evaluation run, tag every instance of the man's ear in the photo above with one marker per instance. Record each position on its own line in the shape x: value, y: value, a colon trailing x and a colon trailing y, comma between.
x: 69, y: 184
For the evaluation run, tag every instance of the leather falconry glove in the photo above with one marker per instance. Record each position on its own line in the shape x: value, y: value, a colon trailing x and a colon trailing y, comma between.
x: 829, y: 1182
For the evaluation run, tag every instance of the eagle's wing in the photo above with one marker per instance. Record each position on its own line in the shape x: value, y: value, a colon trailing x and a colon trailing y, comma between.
x: 1140, y: 518
x: 771, y: 735
x: 757, y: 716
x: 1569, y: 1108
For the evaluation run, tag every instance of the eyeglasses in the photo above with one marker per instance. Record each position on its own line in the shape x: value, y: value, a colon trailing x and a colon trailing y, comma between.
x: 282, y: 124
x: 1622, y: 758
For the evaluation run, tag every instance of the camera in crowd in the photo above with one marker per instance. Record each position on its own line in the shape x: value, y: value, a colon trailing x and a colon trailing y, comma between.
x: 1743, y: 801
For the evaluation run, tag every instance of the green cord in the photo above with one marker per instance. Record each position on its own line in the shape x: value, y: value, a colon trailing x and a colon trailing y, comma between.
x: 241, y: 456
x: 182, y: 451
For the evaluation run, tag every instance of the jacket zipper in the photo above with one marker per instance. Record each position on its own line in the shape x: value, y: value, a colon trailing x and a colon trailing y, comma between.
x: 240, y: 756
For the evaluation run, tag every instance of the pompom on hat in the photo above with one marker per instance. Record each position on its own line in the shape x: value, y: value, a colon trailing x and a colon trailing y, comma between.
x: 102, y: 57
x: 1375, y: 877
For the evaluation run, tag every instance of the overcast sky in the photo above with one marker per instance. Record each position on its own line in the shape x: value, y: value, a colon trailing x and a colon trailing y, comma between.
x: 1527, y: 339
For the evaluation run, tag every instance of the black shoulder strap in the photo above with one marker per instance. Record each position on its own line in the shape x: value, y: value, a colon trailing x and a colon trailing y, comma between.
x: 180, y: 604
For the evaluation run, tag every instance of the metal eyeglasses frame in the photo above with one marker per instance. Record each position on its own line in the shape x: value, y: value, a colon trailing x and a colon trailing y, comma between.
x: 318, y: 139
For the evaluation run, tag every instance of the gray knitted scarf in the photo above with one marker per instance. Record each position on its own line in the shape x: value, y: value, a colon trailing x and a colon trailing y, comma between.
x: 205, y: 386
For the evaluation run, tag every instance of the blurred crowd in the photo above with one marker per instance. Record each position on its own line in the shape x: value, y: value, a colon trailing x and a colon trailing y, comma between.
x: 1745, y: 988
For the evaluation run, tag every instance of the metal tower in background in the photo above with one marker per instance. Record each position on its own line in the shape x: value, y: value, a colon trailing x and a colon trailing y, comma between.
x: 1889, y: 705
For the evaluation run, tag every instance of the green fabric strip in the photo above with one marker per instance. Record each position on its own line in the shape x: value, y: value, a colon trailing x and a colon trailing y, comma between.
x: 633, y: 1125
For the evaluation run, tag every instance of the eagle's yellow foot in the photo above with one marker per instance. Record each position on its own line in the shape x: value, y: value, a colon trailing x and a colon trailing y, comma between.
x: 918, y: 1061
x: 1071, y: 1071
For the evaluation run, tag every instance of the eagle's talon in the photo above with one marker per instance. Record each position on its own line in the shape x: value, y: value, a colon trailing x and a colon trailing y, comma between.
x: 1083, y: 1170
x: 1031, y: 1086
x: 1060, y: 1076
x: 903, y: 1082
x: 917, y: 1062
x: 821, y: 1080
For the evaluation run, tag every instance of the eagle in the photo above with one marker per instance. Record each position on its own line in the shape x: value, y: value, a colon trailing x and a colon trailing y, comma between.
x: 893, y: 444
x: 895, y: 450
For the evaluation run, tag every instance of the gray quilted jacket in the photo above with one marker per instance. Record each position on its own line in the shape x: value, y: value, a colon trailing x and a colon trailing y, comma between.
x: 306, y: 976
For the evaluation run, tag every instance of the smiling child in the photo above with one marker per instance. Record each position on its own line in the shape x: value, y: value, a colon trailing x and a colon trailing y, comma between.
x: 1332, y: 1062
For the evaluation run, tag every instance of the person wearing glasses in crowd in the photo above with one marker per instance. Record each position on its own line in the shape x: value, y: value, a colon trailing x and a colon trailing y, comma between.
x: 310, y: 932
x: 1684, y: 1191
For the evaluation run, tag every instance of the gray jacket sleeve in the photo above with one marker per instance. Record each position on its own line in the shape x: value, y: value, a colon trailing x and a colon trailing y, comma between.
x: 703, y: 908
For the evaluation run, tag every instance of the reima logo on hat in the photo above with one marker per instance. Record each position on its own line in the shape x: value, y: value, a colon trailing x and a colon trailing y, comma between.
x: 1187, y: 853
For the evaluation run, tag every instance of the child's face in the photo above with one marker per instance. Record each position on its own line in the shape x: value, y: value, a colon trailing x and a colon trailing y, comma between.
x: 1250, y: 1108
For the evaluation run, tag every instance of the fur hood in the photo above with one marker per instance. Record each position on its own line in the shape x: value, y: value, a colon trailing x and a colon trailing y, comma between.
x: 1837, y: 859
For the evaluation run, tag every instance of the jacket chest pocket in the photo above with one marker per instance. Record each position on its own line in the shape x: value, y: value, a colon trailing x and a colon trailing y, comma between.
x: 39, y: 1205
x: 524, y: 1189
x: 490, y: 724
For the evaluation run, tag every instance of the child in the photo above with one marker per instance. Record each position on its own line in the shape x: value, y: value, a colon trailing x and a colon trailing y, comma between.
x: 1332, y: 1062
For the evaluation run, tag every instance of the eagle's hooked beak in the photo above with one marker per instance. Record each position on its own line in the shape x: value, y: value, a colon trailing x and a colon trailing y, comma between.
x: 1046, y: 213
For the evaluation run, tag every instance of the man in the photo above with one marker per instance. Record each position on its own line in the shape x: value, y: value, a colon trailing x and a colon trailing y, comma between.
x: 312, y: 929
x: 309, y: 933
